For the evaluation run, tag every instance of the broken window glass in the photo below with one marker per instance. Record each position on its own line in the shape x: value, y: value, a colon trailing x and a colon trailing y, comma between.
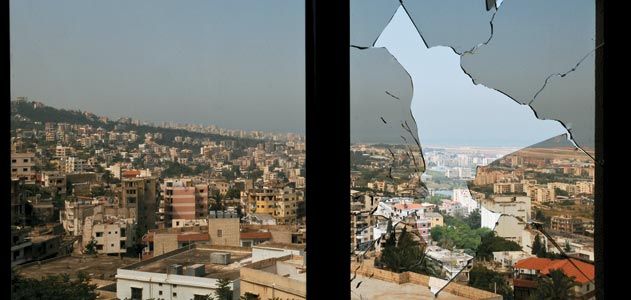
x: 539, y: 55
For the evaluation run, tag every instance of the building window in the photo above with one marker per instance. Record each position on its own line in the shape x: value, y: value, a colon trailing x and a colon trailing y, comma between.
x: 174, y: 294
x: 99, y: 247
x: 14, y: 170
x: 136, y: 293
x: 25, y: 169
x: 26, y: 160
x: 200, y: 297
x: 99, y: 234
x: 219, y: 233
x: 14, y: 161
x: 160, y: 292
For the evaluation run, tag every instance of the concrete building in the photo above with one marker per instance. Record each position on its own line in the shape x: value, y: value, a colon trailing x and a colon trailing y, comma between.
x: 527, y: 271
x: 182, y: 274
x: 454, y: 263
x: 18, y: 203
x: 223, y: 228
x: 518, y: 206
x: 73, y: 164
x: 112, y: 236
x: 507, y: 259
x: 259, y: 219
x: 464, y: 198
x: 249, y: 239
x: 274, y: 250
x: 45, y: 246
x: 274, y: 278
x: 567, y: 224
x: 140, y: 195
x: 22, y: 166
x: 160, y: 241
x: 282, y: 204
x: 54, y: 181
x: 21, y: 245
x: 180, y: 223
x: 381, y: 284
x: 184, y: 200
x: 508, y: 188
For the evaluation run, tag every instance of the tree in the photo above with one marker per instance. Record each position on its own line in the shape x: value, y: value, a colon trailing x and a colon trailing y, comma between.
x: 567, y: 247
x: 489, y: 280
x: 240, y: 211
x: 90, y: 248
x: 538, y: 248
x: 391, y: 241
x: 223, y: 291
x: 406, y: 255
x: 474, y: 220
x: 233, y: 194
x: 492, y: 243
x: 53, y: 287
x: 250, y: 296
x: 555, y: 286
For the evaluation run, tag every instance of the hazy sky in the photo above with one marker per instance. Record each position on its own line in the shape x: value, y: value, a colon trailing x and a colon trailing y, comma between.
x: 233, y: 64
x: 449, y: 109
x: 236, y: 64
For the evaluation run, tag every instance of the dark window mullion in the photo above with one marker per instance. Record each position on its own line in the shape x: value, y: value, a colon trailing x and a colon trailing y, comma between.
x: 328, y: 141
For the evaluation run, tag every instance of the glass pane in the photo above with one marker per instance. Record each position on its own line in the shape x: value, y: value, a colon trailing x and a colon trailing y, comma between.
x: 154, y: 138
x: 490, y: 201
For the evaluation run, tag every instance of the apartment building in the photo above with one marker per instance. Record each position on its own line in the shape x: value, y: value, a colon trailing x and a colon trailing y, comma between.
x: 22, y: 166
x: 141, y: 196
x: 184, y: 200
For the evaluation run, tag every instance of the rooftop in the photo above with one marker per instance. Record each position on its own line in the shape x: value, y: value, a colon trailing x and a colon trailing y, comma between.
x: 371, y: 288
x: 197, y: 255
x: 281, y: 246
x: 581, y: 271
x: 101, y: 267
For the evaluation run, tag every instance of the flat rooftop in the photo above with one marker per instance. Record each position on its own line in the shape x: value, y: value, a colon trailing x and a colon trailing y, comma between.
x: 197, y: 256
x: 371, y: 288
x: 100, y: 267
x: 281, y: 246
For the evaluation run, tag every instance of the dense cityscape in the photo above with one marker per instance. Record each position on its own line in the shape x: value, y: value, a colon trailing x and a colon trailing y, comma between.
x: 126, y: 208
x: 493, y: 220
x: 122, y: 201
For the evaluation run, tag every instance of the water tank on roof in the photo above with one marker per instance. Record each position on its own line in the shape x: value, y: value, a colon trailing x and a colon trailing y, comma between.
x: 175, y: 269
x: 220, y: 258
x: 197, y: 270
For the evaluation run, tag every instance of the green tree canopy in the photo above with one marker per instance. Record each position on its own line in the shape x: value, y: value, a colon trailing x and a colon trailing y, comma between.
x: 52, y: 287
x: 489, y: 280
x: 491, y: 243
x: 555, y: 286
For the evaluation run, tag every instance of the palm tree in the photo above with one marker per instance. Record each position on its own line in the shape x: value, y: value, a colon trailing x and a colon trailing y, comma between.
x: 555, y: 286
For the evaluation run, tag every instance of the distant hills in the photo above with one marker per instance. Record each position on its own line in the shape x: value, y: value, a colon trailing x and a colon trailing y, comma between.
x: 38, y: 112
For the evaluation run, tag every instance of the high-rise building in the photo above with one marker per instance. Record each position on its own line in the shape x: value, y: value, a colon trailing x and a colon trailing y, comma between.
x: 184, y: 200
x: 140, y: 194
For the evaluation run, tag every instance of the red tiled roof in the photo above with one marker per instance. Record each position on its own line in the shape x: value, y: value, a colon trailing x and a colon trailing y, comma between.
x: 533, y: 263
x: 408, y: 206
x: 583, y: 274
x: 131, y: 173
x: 581, y: 271
x: 255, y: 235
x: 193, y: 237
